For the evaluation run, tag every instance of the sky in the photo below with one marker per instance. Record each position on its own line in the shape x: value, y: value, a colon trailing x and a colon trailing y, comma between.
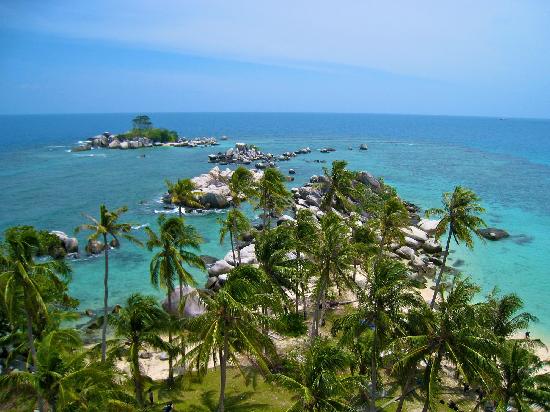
x: 483, y: 58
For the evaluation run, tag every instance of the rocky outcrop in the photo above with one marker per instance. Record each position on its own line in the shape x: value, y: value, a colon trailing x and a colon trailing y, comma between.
x: 492, y: 233
x: 247, y: 154
x: 415, y: 233
x: 211, y: 200
x: 432, y: 246
x: 69, y: 244
x: 193, y: 304
x: 94, y: 247
x: 221, y: 267
x: 368, y: 180
x: 428, y: 226
x: 248, y: 256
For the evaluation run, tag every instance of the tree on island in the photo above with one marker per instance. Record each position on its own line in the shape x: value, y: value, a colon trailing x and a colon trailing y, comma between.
x: 141, y: 122
x: 459, y: 218
x: 107, y: 225
x: 273, y: 196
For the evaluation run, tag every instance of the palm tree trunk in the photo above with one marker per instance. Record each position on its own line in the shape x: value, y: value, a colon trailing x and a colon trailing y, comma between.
x: 233, y: 249
x: 235, y: 236
x: 105, y: 301
x: 32, y: 348
x: 317, y: 312
x: 136, y: 374
x: 296, y: 297
x: 179, y: 211
x: 405, y: 391
x: 304, y: 308
x: 374, y: 370
x: 440, y: 275
x: 223, y: 371
x: 170, y: 359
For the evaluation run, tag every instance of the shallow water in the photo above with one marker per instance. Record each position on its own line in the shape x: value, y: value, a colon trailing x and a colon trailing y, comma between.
x: 507, y: 162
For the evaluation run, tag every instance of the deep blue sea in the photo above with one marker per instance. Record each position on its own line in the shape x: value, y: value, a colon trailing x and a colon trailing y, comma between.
x: 506, y: 161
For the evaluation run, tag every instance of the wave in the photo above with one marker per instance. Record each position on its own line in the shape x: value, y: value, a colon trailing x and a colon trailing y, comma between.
x: 92, y: 155
x: 137, y: 227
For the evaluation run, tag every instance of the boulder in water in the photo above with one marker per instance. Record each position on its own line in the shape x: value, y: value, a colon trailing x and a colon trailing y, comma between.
x: 94, y: 247
x: 363, y: 147
x: 212, y: 200
x: 221, y: 267
x: 492, y: 233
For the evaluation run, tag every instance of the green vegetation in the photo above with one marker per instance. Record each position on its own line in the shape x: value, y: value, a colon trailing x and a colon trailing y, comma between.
x: 143, y: 127
x: 374, y: 344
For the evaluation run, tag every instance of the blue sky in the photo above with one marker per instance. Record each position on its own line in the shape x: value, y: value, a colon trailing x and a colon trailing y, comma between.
x: 488, y: 58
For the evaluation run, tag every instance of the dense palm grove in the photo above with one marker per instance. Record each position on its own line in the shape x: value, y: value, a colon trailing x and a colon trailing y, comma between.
x: 359, y: 334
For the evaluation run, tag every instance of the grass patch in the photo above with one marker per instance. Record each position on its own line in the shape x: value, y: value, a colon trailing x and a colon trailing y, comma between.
x: 242, y: 394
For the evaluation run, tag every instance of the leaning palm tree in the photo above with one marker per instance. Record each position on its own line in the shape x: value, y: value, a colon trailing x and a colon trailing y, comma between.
x: 501, y: 314
x: 235, y: 223
x: 107, y: 225
x: 136, y: 324
x: 318, y: 385
x: 333, y: 257
x: 452, y: 332
x: 67, y: 379
x: 167, y: 264
x: 339, y: 187
x: 460, y: 219
x: 523, y: 385
x: 22, y: 277
x: 273, y: 196
x: 232, y: 325
x: 182, y: 194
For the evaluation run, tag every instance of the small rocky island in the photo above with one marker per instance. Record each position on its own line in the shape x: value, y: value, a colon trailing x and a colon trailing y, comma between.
x: 143, y: 134
x: 247, y: 153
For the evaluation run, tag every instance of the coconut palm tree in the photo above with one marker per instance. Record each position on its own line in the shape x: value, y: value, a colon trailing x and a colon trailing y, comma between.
x: 390, y: 217
x: 107, y: 226
x: 66, y: 378
x: 387, y: 294
x: 452, y: 332
x: 167, y: 264
x: 339, y: 187
x: 273, y: 196
x: 235, y: 223
x: 232, y: 324
x: 523, y: 384
x: 241, y: 186
x: 25, y: 281
x: 138, y: 323
x: 460, y: 219
x: 182, y: 194
x: 500, y: 314
x: 318, y: 385
x: 333, y: 257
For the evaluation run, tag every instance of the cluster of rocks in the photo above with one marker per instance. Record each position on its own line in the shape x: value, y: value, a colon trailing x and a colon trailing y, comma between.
x: 212, y: 191
x: 327, y: 149
x: 420, y: 251
x: 68, y: 246
x: 195, y: 142
x: 109, y: 140
x: 246, y: 154
x: 96, y: 247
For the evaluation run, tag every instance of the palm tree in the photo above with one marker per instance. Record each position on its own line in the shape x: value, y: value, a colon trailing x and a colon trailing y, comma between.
x: 138, y: 323
x: 387, y: 294
x: 390, y: 217
x: 22, y: 277
x: 241, y: 186
x: 317, y: 384
x: 182, y: 194
x: 459, y: 218
x: 273, y: 196
x: 500, y: 314
x: 232, y: 324
x: 66, y: 378
x: 235, y: 223
x: 339, y: 187
x: 521, y: 383
x: 167, y: 263
x: 452, y: 332
x: 333, y: 257
x: 107, y: 225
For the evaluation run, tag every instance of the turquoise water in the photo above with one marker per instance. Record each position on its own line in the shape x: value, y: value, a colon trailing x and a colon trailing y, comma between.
x: 507, y: 162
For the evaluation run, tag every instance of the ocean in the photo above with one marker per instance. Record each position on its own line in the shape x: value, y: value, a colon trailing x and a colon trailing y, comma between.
x: 505, y: 161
